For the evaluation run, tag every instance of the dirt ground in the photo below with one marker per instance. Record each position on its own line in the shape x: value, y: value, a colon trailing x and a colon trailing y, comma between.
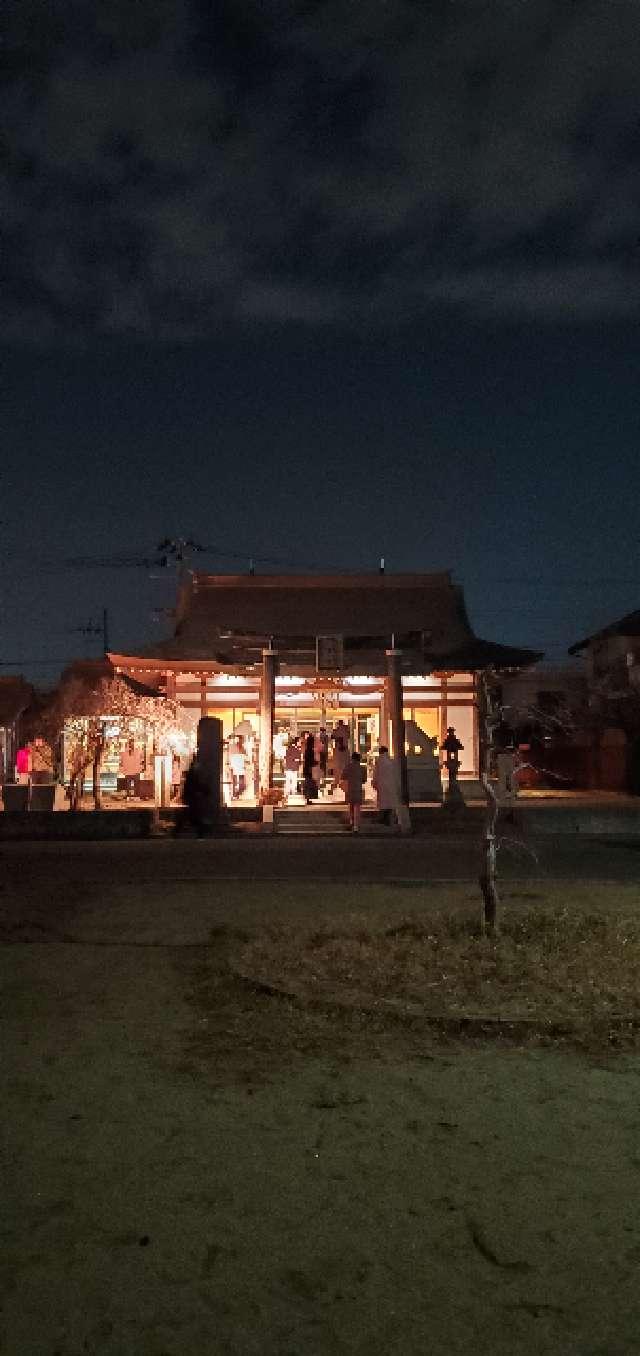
x: 196, y: 1167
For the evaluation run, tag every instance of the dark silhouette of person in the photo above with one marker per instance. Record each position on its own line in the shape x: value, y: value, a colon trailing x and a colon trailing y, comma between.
x: 308, y: 764
x: 196, y: 798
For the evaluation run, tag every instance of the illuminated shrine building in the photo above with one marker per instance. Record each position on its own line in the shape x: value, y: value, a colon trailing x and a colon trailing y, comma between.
x: 301, y: 651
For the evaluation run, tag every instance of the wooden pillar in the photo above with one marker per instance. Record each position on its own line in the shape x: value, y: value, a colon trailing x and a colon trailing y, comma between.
x: 267, y: 707
x: 393, y: 689
x: 203, y: 694
x: 444, y: 715
x: 383, y: 733
x: 477, y: 722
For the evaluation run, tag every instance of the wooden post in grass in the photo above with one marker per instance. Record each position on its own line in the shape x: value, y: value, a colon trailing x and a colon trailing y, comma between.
x: 488, y: 874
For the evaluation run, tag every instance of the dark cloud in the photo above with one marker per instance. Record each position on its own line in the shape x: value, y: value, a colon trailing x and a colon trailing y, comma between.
x: 174, y: 166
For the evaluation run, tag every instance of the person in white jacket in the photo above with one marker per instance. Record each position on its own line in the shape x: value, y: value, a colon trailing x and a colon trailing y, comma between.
x: 386, y: 784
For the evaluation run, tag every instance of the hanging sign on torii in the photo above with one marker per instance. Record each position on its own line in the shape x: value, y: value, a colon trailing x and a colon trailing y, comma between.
x: 329, y: 653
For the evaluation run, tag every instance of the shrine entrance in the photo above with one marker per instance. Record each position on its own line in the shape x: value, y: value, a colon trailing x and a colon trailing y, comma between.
x: 294, y: 721
x: 363, y: 726
x: 263, y: 709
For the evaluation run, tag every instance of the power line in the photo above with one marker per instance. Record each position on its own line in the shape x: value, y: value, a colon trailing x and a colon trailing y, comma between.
x: 93, y: 628
x: 164, y: 560
x: 558, y: 582
x: 46, y: 663
x: 218, y: 550
x: 176, y: 550
x: 104, y: 563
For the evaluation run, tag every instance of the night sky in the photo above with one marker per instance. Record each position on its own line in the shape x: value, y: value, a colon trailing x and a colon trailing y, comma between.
x: 315, y: 283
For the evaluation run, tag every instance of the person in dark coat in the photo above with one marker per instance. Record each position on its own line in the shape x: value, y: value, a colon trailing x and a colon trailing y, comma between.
x: 291, y: 768
x: 310, y: 786
x: 340, y: 760
x: 322, y: 750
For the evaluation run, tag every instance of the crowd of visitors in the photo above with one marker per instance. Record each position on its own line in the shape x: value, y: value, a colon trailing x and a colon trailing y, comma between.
x: 324, y: 759
x: 311, y: 763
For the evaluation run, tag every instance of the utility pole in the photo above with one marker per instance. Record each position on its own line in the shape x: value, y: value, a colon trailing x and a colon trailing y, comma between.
x: 178, y: 550
x: 92, y: 628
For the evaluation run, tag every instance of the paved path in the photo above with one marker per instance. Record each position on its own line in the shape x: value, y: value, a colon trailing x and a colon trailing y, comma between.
x: 51, y: 866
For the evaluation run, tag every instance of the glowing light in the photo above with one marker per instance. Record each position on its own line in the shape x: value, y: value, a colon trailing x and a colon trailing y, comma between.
x: 359, y: 698
x: 228, y: 698
x: 226, y: 679
x: 419, y: 680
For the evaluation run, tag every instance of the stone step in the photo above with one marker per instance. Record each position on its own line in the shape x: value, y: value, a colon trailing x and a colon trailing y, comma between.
x: 332, y: 820
x: 325, y: 822
x: 312, y: 820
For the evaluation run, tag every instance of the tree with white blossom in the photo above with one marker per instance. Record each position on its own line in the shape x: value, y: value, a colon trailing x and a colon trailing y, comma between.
x: 78, y: 710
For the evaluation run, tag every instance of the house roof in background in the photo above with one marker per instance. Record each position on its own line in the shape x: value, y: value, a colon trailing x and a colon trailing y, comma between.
x: 15, y: 696
x: 629, y: 625
x: 92, y: 672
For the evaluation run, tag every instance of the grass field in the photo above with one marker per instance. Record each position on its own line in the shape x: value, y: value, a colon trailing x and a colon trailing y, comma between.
x: 235, y: 1125
x: 567, y: 960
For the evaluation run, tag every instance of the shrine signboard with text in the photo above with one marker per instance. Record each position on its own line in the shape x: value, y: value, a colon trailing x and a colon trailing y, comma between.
x: 329, y: 654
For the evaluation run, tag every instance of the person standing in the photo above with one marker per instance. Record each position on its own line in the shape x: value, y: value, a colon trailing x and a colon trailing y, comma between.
x: 23, y: 765
x: 176, y: 776
x: 280, y: 745
x: 237, y: 767
x: 341, y: 732
x: 386, y: 784
x: 310, y: 786
x: 340, y: 760
x: 352, y: 782
x: 41, y: 762
x: 322, y: 751
x: 130, y: 768
x: 291, y: 769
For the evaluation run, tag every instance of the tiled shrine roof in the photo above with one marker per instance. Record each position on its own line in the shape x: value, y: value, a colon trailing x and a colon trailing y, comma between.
x: 228, y: 619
